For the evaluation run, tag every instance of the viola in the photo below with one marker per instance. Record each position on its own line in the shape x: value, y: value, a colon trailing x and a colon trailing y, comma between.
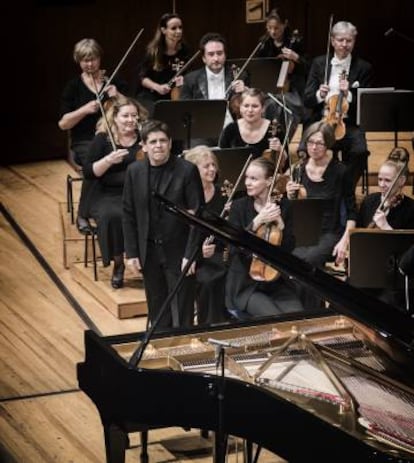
x: 235, y: 100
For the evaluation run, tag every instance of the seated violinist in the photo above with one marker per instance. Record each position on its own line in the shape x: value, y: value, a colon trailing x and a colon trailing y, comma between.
x: 247, y: 286
x: 252, y: 129
x: 211, y: 266
x: 114, y: 147
x: 216, y: 79
x: 389, y: 208
x: 345, y: 72
x: 326, y: 178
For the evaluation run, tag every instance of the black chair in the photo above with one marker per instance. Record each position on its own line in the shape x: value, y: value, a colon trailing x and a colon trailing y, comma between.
x: 365, y: 173
x: 90, y: 232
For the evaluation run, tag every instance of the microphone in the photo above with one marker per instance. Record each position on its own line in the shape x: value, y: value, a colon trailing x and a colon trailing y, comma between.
x: 389, y: 32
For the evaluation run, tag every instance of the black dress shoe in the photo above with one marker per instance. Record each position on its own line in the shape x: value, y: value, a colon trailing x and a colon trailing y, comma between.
x: 117, y: 280
x: 83, y: 225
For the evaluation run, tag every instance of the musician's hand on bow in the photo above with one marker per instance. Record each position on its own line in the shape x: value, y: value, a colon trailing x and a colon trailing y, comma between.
x: 289, y: 54
x: 91, y: 107
x: 162, y: 89
x: 111, y: 91
x: 208, y: 249
x: 238, y: 86
x: 179, y: 81
x: 191, y: 270
x: 274, y: 144
x: 117, y: 156
x: 323, y: 90
x: 292, y: 189
x: 269, y: 213
x: 380, y: 220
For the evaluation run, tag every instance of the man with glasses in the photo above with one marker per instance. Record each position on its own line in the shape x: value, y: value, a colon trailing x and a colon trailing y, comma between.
x: 155, y: 239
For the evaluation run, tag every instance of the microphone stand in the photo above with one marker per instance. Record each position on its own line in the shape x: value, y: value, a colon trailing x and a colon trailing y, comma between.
x: 220, y: 438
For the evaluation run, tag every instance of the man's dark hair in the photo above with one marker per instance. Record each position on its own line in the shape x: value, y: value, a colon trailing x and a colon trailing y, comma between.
x: 211, y: 37
x: 154, y: 126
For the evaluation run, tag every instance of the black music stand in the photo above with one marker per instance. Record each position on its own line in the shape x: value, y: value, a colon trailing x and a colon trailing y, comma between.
x: 307, y: 220
x: 385, y: 110
x: 263, y: 72
x: 231, y: 162
x: 374, y: 255
x: 190, y: 119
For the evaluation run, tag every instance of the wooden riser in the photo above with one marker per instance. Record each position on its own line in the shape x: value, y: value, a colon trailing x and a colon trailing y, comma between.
x: 127, y: 302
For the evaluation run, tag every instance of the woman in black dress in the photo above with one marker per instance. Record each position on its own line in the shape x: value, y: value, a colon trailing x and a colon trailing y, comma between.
x: 108, y: 165
x: 259, y: 298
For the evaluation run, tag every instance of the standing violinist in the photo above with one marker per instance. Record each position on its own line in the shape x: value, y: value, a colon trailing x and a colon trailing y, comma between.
x: 212, y: 81
x: 244, y: 293
x: 340, y: 75
x: 79, y: 111
x: 286, y: 45
x: 252, y: 129
x: 325, y: 177
x: 164, y: 56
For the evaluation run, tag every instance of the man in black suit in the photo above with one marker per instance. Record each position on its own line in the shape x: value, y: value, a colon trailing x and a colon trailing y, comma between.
x: 155, y: 239
x: 212, y: 81
x: 341, y: 75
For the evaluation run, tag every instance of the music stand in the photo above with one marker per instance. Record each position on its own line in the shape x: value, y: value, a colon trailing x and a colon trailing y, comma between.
x: 263, y: 72
x: 307, y: 220
x: 189, y: 119
x: 374, y: 256
x: 231, y: 162
x: 385, y: 110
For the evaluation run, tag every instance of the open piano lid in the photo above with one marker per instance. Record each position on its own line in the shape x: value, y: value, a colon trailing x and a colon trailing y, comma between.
x: 163, y: 391
x: 390, y: 323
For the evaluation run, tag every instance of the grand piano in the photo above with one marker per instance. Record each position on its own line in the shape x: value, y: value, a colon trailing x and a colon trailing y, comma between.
x: 327, y: 386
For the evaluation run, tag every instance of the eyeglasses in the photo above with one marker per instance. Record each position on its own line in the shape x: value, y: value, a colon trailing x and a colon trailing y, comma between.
x: 317, y: 144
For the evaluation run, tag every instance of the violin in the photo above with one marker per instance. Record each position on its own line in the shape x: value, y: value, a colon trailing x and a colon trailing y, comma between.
x: 235, y: 100
x: 337, y: 107
x: 296, y: 174
x: 271, y: 232
x: 179, y: 67
x: 391, y: 198
x: 287, y: 66
x: 275, y: 129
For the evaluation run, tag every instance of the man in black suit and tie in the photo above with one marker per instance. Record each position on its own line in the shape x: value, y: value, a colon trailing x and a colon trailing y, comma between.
x: 342, y: 74
x: 155, y: 239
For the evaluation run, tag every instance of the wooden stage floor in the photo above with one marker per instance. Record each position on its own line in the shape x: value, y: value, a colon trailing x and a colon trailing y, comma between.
x: 44, y: 417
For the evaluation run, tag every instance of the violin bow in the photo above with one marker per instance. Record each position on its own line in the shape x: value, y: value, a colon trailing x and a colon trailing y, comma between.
x: 108, y: 128
x: 241, y: 70
x: 183, y: 68
x: 210, y: 239
x: 108, y: 82
x: 325, y: 81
